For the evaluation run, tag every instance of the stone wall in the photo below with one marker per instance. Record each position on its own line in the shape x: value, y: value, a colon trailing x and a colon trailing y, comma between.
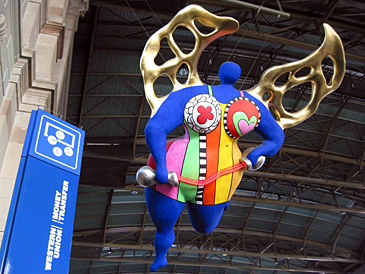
x: 36, y: 40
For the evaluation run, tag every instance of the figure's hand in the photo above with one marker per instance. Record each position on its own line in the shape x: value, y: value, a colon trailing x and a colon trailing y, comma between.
x: 161, y: 175
x: 253, y: 162
x: 146, y: 176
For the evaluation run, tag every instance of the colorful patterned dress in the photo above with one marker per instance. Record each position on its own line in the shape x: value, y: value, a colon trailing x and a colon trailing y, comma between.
x: 209, y: 145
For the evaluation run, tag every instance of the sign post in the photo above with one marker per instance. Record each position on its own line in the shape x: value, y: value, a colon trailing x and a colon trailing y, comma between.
x: 38, y: 233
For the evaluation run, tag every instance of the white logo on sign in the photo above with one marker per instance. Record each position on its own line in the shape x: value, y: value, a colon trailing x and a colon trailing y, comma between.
x: 52, y: 140
x: 60, y: 134
x: 58, y: 142
x: 57, y: 151
x: 68, y: 151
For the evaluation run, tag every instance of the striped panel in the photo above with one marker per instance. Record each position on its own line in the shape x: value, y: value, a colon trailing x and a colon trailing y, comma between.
x: 202, y: 167
x: 190, y: 168
x: 212, y: 163
x: 223, y: 184
x: 210, y: 91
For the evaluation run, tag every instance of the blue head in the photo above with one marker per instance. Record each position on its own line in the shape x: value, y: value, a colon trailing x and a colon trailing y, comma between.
x: 229, y: 73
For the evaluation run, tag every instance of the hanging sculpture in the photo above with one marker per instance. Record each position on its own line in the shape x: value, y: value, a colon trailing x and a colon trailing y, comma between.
x: 203, y: 168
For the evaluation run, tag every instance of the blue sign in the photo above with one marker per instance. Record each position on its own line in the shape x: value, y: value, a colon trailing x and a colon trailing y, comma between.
x: 38, y: 233
x: 57, y: 142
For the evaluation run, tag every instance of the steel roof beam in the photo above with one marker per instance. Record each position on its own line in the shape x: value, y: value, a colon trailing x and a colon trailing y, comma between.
x: 332, y: 6
x: 105, y: 4
x: 140, y: 237
x: 257, y: 174
x: 269, y: 38
x: 289, y: 42
x: 293, y: 15
x: 332, y: 259
x: 309, y: 228
x: 108, y: 95
x: 306, y: 152
x: 87, y: 72
x: 324, y: 141
x: 217, y: 265
x: 244, y: 32
x: 260, y: 234
x: 107, y: 214
x: 298, y: 203
x: 276, y: 229
x: 339, y: 231
x: 138, y: 125
x: 296, y: 178
x: 246, y: 5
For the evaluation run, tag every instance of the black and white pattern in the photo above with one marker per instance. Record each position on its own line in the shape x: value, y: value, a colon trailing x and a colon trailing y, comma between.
x: 191, y: 113
x: 203, y: 167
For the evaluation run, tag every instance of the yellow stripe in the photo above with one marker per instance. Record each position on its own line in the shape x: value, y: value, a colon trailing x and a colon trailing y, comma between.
x: 237, y: 175
x: 223, y: 184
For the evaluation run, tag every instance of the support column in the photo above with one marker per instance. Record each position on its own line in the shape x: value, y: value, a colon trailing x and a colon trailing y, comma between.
x: 35, y: 67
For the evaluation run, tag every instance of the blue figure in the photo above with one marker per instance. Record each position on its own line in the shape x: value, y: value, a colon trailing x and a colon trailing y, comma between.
x: 213, y: 118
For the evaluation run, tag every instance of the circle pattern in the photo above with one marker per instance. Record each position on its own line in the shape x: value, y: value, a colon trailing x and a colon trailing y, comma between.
x: 68, y: 151
x: 52, y: 140
x: 60, y: 135
x: 241, y: 116
x: 202, y: 113
x: 57, y: 151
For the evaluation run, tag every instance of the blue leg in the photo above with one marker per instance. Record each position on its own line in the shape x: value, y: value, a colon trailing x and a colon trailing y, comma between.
x: 205, y: 218
x: 164, y: 213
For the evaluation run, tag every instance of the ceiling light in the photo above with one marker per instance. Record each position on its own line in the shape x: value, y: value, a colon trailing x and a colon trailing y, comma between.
x: 183, y: 71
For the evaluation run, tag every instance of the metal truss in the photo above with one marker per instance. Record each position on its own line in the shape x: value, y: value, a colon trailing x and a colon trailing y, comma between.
x: 230, y: 248
x: 309, y: 173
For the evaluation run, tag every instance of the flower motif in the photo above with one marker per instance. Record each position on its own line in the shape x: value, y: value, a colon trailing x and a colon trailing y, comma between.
x: 209, y: 113
x: 205, y: 113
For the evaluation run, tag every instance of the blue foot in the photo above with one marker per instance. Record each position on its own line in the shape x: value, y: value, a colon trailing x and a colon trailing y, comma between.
x: 159, y: 262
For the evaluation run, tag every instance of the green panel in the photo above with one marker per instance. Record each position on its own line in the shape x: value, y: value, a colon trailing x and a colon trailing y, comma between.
x: 190, y: 168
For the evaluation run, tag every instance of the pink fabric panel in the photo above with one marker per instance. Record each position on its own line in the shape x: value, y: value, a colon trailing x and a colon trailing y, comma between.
x: 242, y: 93
x: 174, y: 160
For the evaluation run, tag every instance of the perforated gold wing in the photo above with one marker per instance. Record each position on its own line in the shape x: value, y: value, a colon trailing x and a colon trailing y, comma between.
x: 331, y: 47
x: 186, y: 18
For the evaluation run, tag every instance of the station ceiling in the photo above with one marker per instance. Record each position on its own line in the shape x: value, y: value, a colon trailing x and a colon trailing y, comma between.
x: 303, y: 212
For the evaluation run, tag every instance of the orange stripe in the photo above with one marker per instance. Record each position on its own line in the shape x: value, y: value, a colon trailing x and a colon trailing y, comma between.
x: 212, y: 163
x: 223, y: 184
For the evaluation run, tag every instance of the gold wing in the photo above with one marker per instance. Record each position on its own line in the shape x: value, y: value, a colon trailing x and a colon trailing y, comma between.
x: 186, y: 17
x: 331, y: 47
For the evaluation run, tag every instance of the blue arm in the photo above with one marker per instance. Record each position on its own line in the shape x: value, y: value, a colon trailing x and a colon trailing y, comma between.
x: 167, y: 118
x: 269, y: 130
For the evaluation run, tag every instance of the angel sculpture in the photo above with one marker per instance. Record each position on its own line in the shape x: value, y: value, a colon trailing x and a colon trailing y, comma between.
x: 203, y: 168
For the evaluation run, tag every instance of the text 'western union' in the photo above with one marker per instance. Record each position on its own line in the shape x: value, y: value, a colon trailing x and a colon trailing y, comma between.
x: 55, y: 234
x: 54, y: 246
